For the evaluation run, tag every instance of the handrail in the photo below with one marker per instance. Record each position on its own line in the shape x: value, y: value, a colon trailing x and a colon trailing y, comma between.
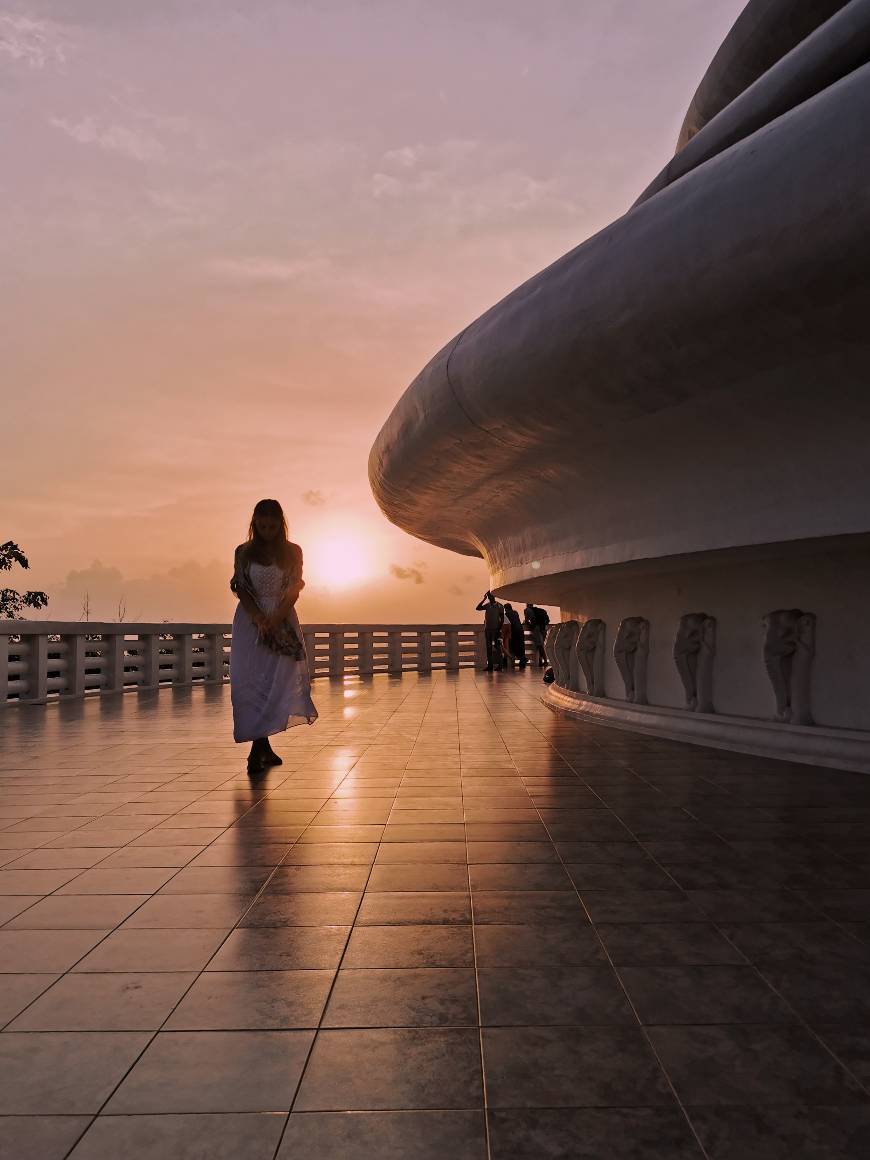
x: 42, y: 660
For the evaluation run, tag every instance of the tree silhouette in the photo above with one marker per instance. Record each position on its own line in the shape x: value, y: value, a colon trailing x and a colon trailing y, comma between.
x: 12, y: 601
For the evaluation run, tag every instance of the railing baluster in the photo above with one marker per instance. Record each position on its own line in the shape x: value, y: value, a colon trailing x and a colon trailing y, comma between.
x: 216, y: 658
x: 310, y: 646
x: 336, y: 653
x: 5, y: 649
x: 75, y: 664
x: 424, y: 650
x: 333, y: 650
x: 366, y: 659
x: 451, y: 649
x: 184, y: 659
x: 37, y: 671
x: 394, y: 650
x: 112, y: 648
x: 150, y: 660
x: 479, y: 648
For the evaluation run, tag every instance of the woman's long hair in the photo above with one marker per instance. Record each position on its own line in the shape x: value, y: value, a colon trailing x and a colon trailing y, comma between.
x: 268, y: 507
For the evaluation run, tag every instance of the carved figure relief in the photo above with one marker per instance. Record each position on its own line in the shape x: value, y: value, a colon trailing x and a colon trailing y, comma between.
x: 694, y: 651
x: 630, y: 651
x: 550, y: 646
x: 590, y: 656
x: 789, y: 645
x: 563, y: 652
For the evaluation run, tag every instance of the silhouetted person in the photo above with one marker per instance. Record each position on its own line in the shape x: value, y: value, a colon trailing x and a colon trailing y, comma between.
x: 517, y: 643
x: 493, y: 619
x: 269, y: 678
x: 537, y: 621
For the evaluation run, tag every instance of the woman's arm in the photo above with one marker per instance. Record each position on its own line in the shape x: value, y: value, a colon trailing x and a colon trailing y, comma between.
x: 252, y: 608
x: 245, y: 599
x: 287, y: 601
x: 294, y: 588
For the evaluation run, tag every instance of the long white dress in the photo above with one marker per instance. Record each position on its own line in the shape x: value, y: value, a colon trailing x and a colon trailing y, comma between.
x: 270, y: 692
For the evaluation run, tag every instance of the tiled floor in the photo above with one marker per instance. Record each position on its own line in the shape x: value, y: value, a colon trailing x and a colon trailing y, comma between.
x: 451, y: 926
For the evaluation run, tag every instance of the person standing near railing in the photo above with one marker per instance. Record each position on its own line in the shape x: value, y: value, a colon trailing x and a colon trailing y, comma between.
x: 537, y: 620
x: 493, y: 619
x: 269, y: 677
x: 517, y: 638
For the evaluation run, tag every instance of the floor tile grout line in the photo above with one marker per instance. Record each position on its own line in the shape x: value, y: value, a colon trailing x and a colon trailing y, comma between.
x: 630, y: 1002
x: 156, y: 1032
x: 516, y: 741
x: 150, y: 829
x: 228, y: 781
x: 799, y: 1019
x: 118, y: 926
x: 483, y: 1079
x: 317, y: 1030
x: 749, y: 962
x: 72, y: 968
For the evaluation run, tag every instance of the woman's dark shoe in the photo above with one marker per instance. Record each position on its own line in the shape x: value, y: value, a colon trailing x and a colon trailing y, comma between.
x: 270, y: 757
x: 257, y: 758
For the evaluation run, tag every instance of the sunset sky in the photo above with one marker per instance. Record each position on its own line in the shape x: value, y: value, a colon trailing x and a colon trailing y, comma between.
x: 234, y: 230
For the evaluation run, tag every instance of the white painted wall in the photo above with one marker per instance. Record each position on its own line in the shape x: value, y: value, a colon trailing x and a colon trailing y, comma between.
x: 832, y: 584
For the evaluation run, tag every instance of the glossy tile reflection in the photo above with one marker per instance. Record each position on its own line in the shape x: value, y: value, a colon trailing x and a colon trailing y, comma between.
x: 451, y: 924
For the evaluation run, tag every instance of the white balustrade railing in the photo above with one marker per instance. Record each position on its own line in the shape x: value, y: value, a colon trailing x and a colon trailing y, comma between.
x: 44, y: 659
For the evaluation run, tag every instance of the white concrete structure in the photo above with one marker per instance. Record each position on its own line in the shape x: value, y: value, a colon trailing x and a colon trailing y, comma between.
x: 43, y: 659
x: 675, y: 416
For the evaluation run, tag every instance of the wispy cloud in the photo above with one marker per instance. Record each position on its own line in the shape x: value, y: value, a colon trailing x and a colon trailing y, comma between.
x: 267, y: 269
x: 114, y: 137
x: 313, y: 498
x: 450, y: 153
x: 420, y: 169
x: 179, y: 207
x: 415, y: 574
x: 32, y: 42
x: 466, y: 182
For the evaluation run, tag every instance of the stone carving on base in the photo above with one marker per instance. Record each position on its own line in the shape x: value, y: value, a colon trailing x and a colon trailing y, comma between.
x: 564, y: 659
x: 590, y: 656
x: 630, y: 651
x: 550, y: 645
x: 789, y: 645
x: 694, y: 651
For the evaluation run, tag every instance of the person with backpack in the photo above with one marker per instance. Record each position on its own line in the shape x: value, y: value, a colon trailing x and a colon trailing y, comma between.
x: 516, y: 636
x: 537, y: 621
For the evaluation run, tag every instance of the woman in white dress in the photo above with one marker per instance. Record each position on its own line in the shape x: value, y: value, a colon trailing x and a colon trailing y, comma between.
x: 269, y: 678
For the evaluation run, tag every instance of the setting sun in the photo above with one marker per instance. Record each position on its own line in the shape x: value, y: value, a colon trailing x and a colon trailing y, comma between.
x: 338, y: 559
